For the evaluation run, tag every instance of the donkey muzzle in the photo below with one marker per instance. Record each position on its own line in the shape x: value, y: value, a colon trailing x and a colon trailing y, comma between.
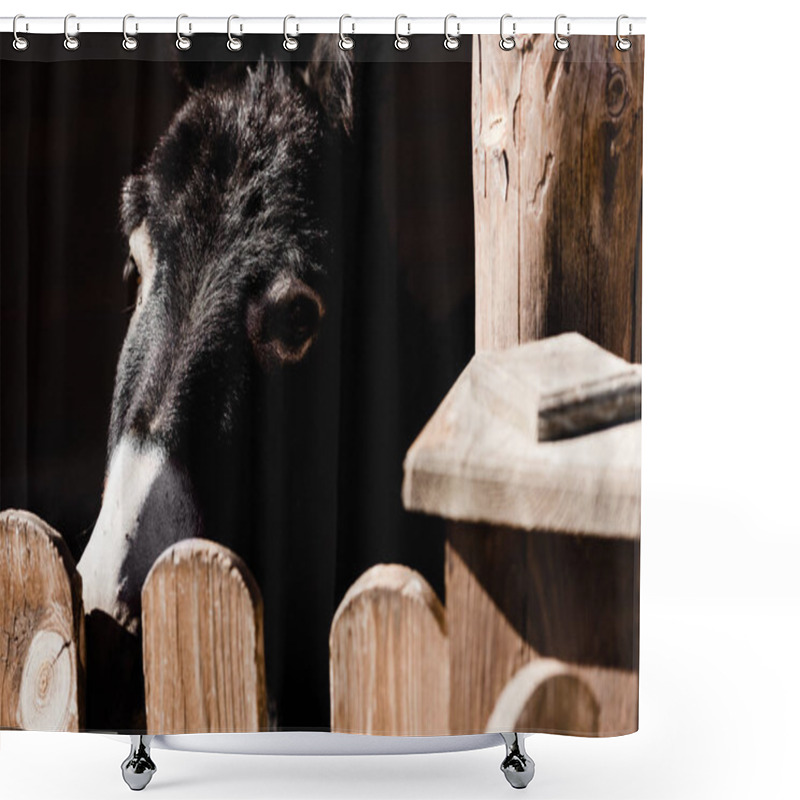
x: 148, y: 505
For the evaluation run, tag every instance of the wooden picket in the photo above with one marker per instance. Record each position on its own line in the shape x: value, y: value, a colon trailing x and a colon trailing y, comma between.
x: 389, y: 669
x: 203, y: 642
x: 42, y: 650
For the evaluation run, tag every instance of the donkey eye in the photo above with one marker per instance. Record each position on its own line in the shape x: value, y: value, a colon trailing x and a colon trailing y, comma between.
x: 283, y: 323
x: 300, y: 320
x: 131, y: 269
x: 140, y: 265
x: 133, y: 280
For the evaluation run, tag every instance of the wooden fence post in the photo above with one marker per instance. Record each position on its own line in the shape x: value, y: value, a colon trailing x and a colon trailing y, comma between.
x: 543, y: 545
x: 203, y: 642
x: 42, y: 651
x: 557, y: 164
x: 389, y: 671
x: 533, y: 460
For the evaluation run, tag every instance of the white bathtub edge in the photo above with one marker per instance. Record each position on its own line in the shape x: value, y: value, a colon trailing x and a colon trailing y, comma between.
x: 320, y: 743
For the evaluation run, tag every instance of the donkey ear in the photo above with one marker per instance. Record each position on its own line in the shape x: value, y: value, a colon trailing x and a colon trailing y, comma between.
x: 329, y: 75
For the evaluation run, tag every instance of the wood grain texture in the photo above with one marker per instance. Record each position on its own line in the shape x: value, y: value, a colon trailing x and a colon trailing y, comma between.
x: 557, y: 166
x: 550, y: 696
x: 203, y: 642
x: 543, y: 627
x: 42, y: 651
x: 480, y: 458
x: 516, y: 596
x: 389, y: 657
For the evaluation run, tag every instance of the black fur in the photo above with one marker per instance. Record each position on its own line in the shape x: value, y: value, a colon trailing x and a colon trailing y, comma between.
x: 226, y: 309
x: 226, y: 199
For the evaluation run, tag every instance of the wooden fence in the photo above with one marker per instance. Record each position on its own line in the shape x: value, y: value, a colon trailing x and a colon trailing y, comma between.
x: 203, y: 643
x: 533, y: 458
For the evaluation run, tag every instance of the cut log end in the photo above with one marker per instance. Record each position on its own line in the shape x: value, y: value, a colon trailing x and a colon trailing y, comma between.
x: 42, y: 655
x: 47, y: 699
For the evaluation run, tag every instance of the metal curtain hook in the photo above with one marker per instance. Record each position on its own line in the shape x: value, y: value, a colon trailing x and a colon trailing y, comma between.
x: 182, y: 42
x: 451, y: 42
x: 129, y: 42
x: 401, y: 42
x: 560, y: 42
x: 234, y: 43
x: 71, y: 42
x: 289, y: 42
x: 507, y: 42
x: 346, y: 42
x: 623, y: 44
x: 20, y: 42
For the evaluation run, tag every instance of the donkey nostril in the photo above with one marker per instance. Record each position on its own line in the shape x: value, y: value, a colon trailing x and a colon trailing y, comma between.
x: 125, y: 616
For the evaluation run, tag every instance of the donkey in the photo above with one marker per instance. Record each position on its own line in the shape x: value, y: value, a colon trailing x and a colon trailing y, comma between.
x: 227, y: 250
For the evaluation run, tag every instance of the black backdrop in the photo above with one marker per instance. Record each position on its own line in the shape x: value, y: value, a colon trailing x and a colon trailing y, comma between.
x: 399, y: 324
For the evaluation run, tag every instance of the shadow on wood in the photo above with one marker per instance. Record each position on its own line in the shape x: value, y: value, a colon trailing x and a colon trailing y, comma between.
x: 203, y: 642
x: 42, y: 653
x: 389, y: 670
x: 524, y: 595
x: 574, y: 598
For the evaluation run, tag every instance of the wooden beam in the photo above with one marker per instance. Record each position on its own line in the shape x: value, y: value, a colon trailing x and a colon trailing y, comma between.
x: 480, y: 458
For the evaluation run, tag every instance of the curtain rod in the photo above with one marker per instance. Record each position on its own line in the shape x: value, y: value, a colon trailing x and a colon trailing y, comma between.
x: 632, y: 26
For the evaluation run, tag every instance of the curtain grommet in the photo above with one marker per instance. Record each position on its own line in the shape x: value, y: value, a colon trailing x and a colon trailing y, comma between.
x: 182, y: 42
x: 507, y: 42
x: 560, y: 42
x: 234, y: 43
x: 401, y: 42
x: 128, y: 42
x: 20, y: 43
x: 346, y: 42
x: 451, y: 42
x: 290, y: 43
x: 71, y: 42
x: 622, y: 43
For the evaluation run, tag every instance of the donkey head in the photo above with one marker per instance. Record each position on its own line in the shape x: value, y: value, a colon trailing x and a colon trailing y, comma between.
x: 224, y: 245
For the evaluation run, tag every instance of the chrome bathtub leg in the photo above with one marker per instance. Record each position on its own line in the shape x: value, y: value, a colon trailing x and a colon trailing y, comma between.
x: 138, y: 768
x: 517, y: 766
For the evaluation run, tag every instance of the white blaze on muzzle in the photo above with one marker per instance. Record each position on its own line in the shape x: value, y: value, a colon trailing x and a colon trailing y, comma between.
x: 147, y: 506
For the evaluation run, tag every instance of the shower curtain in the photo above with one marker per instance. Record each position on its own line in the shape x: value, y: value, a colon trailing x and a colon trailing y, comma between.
x: 320, y: 385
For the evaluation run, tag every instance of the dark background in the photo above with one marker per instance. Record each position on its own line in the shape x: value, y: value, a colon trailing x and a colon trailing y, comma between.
x: 399, y: 325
